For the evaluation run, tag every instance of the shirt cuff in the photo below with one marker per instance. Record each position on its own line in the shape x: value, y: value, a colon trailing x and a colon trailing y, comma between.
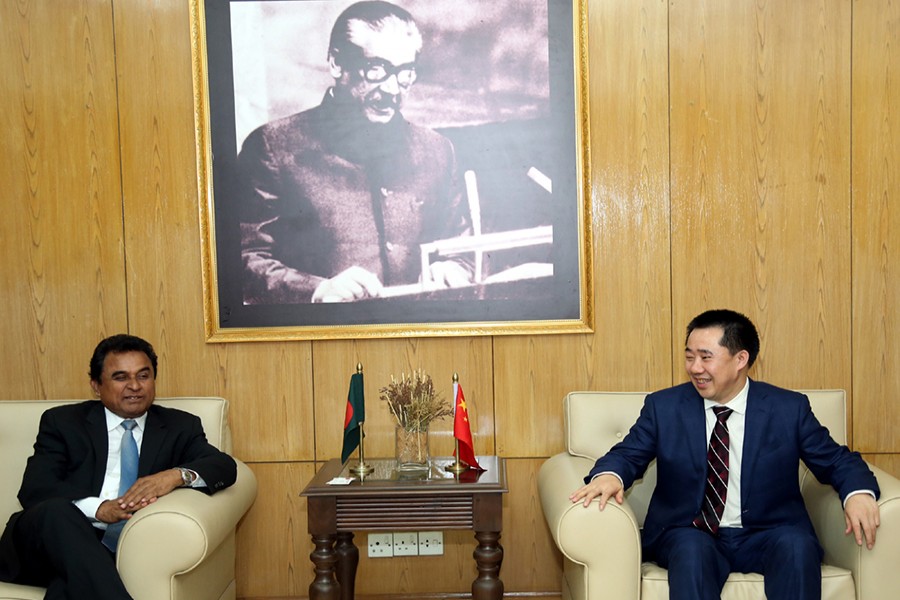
x: 616, y: 475
x: 90, y: 506
x: 869, y: 492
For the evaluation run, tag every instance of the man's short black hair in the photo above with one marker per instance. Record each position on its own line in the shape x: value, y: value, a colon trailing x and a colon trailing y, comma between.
x: 373, y: 12
x: 739, y: 333
x: 117, y: 344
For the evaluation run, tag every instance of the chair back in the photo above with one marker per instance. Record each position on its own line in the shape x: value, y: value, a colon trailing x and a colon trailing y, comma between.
x: 19, y: 421
x: 596, y: 421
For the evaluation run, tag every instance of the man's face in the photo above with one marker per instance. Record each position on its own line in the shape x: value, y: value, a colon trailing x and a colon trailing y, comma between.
x: 716, y: 373
x: 379, y: 79
x: 126, y: 387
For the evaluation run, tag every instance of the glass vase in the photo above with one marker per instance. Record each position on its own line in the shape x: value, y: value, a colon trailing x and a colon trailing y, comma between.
x: 411, y: 449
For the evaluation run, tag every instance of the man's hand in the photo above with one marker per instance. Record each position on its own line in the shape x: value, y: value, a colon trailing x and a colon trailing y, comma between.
x: 351, y: 284
x: 862, y: 518
x: 448, y: 273
x: 109, y: 511
x: 144, y: 492
x: 603, y: 486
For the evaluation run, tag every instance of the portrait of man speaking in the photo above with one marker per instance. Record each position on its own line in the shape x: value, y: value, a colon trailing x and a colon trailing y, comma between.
x: 336, y: 200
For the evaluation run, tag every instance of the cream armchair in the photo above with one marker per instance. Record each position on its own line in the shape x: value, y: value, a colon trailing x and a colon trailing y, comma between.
x: 180, y: 548
x: 602, y: 550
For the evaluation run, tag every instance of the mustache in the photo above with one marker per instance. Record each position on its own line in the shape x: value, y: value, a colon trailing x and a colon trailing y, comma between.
x: 379, y: 99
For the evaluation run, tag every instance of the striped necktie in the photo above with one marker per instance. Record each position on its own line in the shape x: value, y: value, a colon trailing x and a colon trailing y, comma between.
x: 128, y: 457
x: 716, y: 474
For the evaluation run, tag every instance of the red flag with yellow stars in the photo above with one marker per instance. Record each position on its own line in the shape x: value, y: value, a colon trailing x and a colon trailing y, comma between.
x: 462, y: 430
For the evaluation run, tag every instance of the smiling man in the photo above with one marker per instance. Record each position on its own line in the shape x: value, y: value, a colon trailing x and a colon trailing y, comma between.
x: 95, y: 464
x: 337, y: 199
x: 727, y: 451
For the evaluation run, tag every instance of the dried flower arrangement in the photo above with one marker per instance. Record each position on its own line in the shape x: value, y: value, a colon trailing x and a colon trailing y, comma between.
x: 414, y: 402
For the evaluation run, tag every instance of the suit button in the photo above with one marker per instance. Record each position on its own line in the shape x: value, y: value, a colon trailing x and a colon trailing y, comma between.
x: 389, y: 246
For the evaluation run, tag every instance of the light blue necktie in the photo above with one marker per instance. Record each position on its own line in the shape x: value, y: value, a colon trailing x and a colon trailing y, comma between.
x: 128, y: 455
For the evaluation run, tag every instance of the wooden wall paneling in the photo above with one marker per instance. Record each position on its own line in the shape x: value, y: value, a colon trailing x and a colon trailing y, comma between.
x: 760, y: 126
x: 876, y: 220
x: 630, y: 348
x: 269, y: 386
x: 272, y: 543
x: 531, y: 561
x: 335, y: 361
x: 160, y: 182
x: 61, y: 233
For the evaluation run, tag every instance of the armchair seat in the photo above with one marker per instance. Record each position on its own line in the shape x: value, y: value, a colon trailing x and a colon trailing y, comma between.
x: 602, y: 550
x: 200, y: 565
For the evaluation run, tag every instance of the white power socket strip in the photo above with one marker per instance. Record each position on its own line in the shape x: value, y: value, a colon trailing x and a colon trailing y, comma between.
x: 405, y: 543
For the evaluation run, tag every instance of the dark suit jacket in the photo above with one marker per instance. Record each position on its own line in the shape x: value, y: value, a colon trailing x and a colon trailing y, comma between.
x: 780, y: 430
x: 325, y: 191
x: 71, y: 451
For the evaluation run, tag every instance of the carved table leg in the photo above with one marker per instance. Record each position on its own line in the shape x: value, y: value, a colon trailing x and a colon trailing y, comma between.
x: 488, y: 557
x: 324, y: 558
x: 348, y: 560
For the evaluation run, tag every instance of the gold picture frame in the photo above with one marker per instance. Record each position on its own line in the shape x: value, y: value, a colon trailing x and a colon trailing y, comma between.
x: 515, y: 113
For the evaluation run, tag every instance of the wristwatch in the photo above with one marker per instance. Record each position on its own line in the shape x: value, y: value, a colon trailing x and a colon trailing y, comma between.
x: 187, y: 477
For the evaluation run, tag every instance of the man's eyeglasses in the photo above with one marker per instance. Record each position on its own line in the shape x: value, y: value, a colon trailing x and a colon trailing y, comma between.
x: 379, y: 71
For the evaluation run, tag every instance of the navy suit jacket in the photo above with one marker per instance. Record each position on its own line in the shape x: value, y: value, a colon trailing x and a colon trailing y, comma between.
x: 71, y: 452
x: 780, y: 430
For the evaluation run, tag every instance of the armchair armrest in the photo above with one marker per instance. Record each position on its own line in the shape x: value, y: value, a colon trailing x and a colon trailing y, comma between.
x: 874, y: 571
x: 607, y: 543
x: 180, y: 531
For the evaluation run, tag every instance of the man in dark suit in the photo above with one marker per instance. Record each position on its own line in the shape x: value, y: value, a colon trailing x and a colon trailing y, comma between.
x: 70, y: 489
x: 336, y: 200
x: 756, y: 521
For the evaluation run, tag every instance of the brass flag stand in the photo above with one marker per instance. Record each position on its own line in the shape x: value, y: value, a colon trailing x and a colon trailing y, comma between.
x: 361, y: 469
x: 457, y: 466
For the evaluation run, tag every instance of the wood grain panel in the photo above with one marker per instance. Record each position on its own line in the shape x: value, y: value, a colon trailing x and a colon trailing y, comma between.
x: 61, y: 231
x: 760, y: 178
x: 335, y: 361
x: 268, y: 385
x: 531, y: 561
x: 887, y: 462
x: 631, y: 347
x: 272, y: 544
x: 876, y: 221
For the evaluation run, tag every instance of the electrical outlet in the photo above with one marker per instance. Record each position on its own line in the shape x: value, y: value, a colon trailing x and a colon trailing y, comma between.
x: 406, y: 543
x: 431, y: 543
x: 381, y: 545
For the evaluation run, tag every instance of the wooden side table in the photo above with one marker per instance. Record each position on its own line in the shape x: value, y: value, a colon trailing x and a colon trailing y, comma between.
x: 387, y: 500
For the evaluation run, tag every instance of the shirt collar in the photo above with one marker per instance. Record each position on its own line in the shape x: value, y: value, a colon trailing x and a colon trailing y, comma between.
x: 738, y: 404
x: 113, y: 420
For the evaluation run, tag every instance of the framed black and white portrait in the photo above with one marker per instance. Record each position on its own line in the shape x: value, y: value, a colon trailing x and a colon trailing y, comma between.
x: 390, y: 169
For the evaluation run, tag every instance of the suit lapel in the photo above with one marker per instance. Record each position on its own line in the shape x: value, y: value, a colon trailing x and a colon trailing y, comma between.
x: 99, y: 436
x: 154, y: 434
x: 754, y: 427
x: 693, y: 420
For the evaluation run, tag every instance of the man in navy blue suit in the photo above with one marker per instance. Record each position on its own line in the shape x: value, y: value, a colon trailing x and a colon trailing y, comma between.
x: 764, y: 527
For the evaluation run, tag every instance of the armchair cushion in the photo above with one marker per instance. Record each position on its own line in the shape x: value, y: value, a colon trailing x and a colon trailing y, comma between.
x: 601, y: 551
x: 200, y: 565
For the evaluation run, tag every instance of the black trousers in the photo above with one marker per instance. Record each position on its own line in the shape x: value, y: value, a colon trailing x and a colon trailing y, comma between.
x: 59, y: 549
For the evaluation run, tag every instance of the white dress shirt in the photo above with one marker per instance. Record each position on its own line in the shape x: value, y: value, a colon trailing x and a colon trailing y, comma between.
x: 110, y: 489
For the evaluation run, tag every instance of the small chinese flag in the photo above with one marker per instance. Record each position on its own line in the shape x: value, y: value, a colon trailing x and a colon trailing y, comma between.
x: 462, y: 431
x: 355, y: 414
